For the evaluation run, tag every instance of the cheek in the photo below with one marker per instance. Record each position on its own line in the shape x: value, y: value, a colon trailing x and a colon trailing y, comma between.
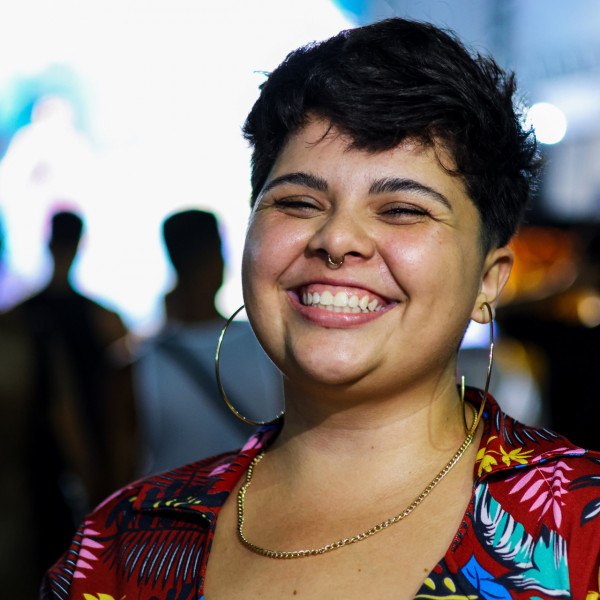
x: 433, y: 263
x: 270, y: 248
x: 261, y: 269
x: 416, y: 259
x: 251, y: 264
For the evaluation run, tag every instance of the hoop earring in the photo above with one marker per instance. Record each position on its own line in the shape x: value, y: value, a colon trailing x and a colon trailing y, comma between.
x: 220, y: 385
x: 471, y: 430
x: 333, y: 264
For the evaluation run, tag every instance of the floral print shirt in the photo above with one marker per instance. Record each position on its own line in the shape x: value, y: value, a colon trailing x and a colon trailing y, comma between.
x: 531, y: 530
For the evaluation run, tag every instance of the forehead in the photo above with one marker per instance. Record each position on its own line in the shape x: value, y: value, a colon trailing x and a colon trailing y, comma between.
x: 321, y: 149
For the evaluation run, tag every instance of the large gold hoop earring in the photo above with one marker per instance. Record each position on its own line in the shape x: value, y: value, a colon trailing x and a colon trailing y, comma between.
x: 471, y: 430
x: 220, y: 385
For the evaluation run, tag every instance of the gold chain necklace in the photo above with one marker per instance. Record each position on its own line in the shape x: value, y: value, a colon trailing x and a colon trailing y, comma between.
x: 346, y: 541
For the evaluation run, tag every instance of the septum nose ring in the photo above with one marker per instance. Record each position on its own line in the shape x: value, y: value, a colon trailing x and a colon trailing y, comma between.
x: 333, y: 264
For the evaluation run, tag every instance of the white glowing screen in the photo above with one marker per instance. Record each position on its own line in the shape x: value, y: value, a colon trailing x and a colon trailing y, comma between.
x: 168, y: 84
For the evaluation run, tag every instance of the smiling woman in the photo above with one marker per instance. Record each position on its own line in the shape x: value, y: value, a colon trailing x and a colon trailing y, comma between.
x: 388, y: 214
x: 389, y: 173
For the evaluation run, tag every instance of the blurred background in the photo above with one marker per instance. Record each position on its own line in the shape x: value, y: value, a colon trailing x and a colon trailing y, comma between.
x: 127, y: 111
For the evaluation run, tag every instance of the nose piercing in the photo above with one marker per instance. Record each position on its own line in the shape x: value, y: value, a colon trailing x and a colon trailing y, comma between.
x: 333, y: 264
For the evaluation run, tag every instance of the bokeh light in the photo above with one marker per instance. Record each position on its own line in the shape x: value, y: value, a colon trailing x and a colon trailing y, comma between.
x: 549, y: 122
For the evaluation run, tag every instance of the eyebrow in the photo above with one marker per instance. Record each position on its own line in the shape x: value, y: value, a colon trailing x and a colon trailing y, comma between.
x: 393, y: 184
x: 297, y: 178
x: 381, y: 186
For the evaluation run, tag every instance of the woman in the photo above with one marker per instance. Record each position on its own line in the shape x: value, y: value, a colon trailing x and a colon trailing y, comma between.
x: 389, y: 173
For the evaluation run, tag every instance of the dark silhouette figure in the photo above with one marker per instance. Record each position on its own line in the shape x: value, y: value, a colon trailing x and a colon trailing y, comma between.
x: 182, y: 416
x: 194, y: 247
x: 19, y: 575
x: 71, y: 342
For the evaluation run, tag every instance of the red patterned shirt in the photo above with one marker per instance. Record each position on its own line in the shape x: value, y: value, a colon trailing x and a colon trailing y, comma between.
x: 531, y: 530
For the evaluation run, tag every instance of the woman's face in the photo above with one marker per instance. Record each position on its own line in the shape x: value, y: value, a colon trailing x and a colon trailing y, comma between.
x: 412, y: 276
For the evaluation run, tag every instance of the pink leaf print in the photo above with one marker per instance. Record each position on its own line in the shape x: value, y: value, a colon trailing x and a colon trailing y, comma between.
x: 220, y: 469
x: 540, y: 500
x: 557, y: 513
x: 523, y: 481
x: 544, y: 486
x: 86, y: 556
x: 533, y: 489
x: 253, y: 442
x: 90, y: 543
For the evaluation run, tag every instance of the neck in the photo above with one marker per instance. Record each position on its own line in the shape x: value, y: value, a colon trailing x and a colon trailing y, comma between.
x: 59, y: 281
x: 418, y: 425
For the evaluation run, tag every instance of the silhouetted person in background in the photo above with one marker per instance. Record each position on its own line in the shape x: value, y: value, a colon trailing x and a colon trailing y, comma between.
x: 19, y: 573
x: 193, y: 244
x: 69, y: 373
x: 182, y: 416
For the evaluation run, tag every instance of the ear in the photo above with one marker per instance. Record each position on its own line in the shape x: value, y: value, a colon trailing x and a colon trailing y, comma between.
x: 496, y: 269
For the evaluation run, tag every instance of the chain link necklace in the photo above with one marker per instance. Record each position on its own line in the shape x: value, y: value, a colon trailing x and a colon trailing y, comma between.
x: 345, y: 541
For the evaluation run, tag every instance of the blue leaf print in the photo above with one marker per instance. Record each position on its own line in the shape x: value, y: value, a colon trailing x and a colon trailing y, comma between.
x: 532, y: 565
x: 591, y: 511
x: 585, y: 481
x: 504, y: 538
x: 549, y: 571
x: 484, y: 582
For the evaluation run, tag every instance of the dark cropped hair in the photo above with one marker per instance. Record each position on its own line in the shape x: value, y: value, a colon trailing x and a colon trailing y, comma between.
x: 191, y: 234
x: 398, y: 79
x: 67, y: 228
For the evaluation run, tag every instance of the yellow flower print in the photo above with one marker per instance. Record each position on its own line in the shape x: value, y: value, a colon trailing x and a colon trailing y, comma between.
x: 515, y: 456
x: 99, y: 597
x: 485, y: 459
x: 443, y: 594
x: 486, y: 464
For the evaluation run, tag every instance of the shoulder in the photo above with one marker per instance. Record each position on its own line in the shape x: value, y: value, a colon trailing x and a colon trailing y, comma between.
x: 201, y: 478
x: 536, y: 507
x: 513, y: 456
x: 155, y: 521
x: 542, y: 522
x: 139, y: 538
x: 107, y: 322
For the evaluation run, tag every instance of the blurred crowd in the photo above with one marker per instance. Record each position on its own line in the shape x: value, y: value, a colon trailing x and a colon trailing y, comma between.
x: 87, y: 407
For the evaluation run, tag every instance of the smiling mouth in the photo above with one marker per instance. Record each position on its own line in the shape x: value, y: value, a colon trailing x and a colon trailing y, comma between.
x: 341, y: 299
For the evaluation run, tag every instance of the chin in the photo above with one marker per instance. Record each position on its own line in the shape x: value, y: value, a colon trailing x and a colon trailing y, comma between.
x: 325, y: 371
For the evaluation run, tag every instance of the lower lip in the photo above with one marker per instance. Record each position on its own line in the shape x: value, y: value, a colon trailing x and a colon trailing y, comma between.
x: 338, y: 320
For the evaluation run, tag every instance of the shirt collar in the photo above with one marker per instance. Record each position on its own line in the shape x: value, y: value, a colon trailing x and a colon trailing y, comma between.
x: 508, y: 445
x: 202, y: 487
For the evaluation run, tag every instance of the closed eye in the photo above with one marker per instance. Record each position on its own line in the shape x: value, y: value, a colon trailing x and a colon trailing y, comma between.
x: 297, y: 206
x: 404, y: 214
x: 404, y: 210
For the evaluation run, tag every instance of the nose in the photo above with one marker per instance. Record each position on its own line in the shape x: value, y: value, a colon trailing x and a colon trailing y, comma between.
x: 341, y: 238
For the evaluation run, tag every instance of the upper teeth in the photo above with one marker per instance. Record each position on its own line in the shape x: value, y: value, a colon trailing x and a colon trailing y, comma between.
x: 341, y: 302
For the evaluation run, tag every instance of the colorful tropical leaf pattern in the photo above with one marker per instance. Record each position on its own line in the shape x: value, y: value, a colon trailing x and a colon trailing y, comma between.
x: 531, y: 530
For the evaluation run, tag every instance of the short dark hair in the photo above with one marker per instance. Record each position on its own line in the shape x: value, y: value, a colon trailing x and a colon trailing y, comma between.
x: 67, y: 228
x: 189, y: 235
x: 398, y: 79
